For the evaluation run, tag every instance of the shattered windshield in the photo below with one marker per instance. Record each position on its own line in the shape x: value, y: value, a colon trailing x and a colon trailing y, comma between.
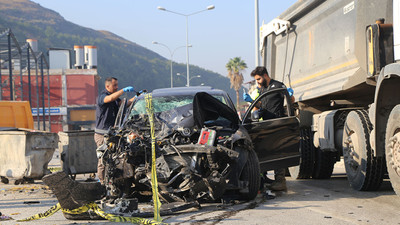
x: 166, y: 103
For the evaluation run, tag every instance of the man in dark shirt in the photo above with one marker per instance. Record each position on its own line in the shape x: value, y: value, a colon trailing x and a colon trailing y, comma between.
x: 271, y: 106
x: 107, y: 106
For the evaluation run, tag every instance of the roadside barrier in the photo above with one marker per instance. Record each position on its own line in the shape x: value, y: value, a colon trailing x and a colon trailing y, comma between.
x: 95, y: 208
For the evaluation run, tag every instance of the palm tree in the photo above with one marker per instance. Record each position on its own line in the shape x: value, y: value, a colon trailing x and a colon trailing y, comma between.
x: 235, y: 67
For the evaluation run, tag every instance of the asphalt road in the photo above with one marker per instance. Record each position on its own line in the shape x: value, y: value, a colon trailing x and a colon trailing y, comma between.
x: 306, y: 202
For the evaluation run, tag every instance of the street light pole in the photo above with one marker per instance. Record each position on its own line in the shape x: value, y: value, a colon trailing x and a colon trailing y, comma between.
x: 171, y: 53
x: 197, y: 76
x: 187, y: 34
x: 187, y: 51
x: 257, y: 48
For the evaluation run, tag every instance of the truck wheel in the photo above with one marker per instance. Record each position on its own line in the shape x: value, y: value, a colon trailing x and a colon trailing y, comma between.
x: 364, y: 171
x: 392, y: 143
x: 323, y: 165
x: 305, y: 169
x: 251, y: 174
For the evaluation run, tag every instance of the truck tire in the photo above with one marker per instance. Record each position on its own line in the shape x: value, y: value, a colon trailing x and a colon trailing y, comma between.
x: 306, y: 167
x: 364, y: 171
x: 392, y: 143
x: 324, y: 163
x: 251, y: 174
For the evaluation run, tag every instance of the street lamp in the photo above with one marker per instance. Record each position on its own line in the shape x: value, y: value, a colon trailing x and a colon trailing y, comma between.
x: 194, y: 77
x: 187, y: 33
x: 171, y: 55
x: 197, y: 76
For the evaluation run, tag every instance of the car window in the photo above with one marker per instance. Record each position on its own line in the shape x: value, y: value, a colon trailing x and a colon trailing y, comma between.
x: 271, y: 105
x: 166, y: 103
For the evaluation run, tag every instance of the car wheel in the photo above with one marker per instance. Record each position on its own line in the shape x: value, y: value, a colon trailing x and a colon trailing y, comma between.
x: 251, y: 174
x: 364, y: 171
x: 392, y: 143
x: 305, y: 169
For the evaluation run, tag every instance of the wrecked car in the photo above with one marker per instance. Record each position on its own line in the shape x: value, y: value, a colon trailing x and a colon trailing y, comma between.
x: 202, y: 150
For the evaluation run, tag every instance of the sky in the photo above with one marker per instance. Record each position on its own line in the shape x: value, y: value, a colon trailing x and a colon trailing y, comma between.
x: 216, y: 35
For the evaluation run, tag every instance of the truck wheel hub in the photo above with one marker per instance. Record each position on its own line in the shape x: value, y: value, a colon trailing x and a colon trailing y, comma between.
x: 394, y: 153
x: 353, y: 155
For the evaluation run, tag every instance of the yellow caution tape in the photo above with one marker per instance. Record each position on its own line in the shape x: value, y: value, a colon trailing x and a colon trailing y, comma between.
x: 154, y: 183
x: 95, y: 208
x: 79, y: 210
x: 46, y: 214
x: 114, y: 218
x: 55, y: 169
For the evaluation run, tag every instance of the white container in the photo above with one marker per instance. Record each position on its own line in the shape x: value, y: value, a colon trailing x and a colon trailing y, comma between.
x: 78, y: 152
x: 59, y: 59
x: 79, y: 57
x: 26, y: 154
x: 90, y: 56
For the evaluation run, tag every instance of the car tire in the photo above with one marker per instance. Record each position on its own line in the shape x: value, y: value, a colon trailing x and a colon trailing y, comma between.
x: 364, y: 171
x: 251, y: 174
x: 306, y: 167
x: 392, y: 143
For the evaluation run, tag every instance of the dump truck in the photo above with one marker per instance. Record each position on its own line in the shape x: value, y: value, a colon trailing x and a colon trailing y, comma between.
x: 341, y: 57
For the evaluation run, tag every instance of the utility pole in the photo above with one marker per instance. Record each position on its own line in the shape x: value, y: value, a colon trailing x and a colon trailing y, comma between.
x: 257, y: 47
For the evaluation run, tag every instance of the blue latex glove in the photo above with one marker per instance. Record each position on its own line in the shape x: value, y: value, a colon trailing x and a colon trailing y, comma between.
x: 128, y: 89
x: 140, y: 92
x: 291, y: 92
x: 247, y: 98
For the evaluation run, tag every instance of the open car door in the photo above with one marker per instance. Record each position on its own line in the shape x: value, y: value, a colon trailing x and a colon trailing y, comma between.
x: 276, y: 141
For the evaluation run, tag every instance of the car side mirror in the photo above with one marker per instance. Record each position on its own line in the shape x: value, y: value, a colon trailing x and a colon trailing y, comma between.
x: 255, y: 115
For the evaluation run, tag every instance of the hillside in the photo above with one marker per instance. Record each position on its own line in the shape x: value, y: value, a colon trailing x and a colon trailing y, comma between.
x: 131, y: 63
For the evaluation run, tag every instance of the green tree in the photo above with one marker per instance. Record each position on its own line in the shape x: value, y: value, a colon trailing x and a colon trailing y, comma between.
x: 235, y: 67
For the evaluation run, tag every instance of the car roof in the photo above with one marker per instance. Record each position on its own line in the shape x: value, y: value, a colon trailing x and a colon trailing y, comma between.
x: 186, y: 91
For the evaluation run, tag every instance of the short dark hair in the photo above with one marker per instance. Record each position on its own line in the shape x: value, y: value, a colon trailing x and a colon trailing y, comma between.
x: 109, y: 80
x: 259, y: 70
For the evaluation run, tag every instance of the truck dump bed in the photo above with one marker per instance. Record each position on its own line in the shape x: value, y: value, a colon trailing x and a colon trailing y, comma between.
x: 323, y: 56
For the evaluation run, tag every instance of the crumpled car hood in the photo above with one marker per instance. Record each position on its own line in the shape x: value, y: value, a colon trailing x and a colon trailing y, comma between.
x: 204, y: 108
